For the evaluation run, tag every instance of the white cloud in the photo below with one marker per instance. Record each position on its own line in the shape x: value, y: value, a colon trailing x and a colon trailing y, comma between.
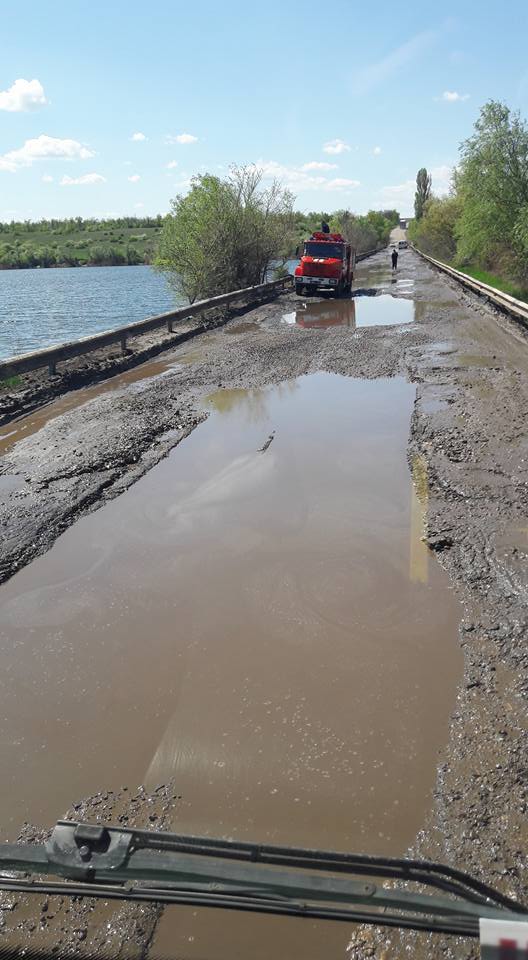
x: 451, y: 96
x: 172, y: 165
x: 401, y: 195
x: 22, y: 96
x: 139, y: 206
x: 298, y: 179
x: 377, y: 151
x: 319, y: 165
x: 341, y: 183
x: 336, y: 146
x: 135, y: 178
x: 44, y: 148
x: 47, y: 179
x: 181, y: 138
x: 86, y: 178
x: 138, y: 137
x: 441, y: 179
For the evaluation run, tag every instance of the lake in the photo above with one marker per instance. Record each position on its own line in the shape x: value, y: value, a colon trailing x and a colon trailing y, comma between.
x: 39, y: 308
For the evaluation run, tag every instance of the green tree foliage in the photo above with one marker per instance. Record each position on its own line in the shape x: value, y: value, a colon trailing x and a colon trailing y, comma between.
x: 435, y: 232
x: 367, y: 232
x: 493, y: 184
x: 49, y: 243
x: 225, y: 234
x: 483, y: 224
x: 392, y: 216
x: 423, y: 192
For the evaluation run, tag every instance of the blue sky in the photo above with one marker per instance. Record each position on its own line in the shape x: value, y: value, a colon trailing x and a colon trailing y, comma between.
x: 342, y: 101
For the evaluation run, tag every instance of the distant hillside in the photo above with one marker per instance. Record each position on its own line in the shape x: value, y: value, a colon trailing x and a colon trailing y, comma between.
x: 77, y: 242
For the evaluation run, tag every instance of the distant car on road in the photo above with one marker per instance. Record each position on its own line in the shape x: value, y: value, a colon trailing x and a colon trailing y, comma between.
x: 402, y: 245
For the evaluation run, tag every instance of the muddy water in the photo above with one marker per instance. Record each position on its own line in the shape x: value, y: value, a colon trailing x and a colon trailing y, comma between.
x: 361, y: 311
x: 264, y: 627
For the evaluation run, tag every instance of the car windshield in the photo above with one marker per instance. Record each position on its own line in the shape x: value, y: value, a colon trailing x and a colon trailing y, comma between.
x: 326, y: 250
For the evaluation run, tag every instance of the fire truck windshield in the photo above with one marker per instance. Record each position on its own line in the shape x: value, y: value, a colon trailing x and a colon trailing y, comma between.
x: 325, y: 250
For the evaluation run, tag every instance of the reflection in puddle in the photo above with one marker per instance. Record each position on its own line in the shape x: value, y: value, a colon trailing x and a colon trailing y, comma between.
x: 247, y: 623
x: 324, y: 313
x: 419, y: 559
x: 253, y: 403
x: 383, y: 311
x: 367, y: 311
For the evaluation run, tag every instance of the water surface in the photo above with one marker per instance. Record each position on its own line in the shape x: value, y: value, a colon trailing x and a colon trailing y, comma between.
x: 265, y: 628
x: 40, y: 308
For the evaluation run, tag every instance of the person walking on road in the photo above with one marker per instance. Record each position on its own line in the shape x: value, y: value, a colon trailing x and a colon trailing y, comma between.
x: 394, y: 258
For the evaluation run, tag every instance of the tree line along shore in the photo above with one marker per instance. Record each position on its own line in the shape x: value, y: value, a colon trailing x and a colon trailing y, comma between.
x: 77, y: 242
x: 129, y: 241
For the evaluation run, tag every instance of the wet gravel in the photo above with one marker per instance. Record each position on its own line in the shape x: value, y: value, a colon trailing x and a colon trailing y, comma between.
x: 84, y: 926
x: 469, y: 436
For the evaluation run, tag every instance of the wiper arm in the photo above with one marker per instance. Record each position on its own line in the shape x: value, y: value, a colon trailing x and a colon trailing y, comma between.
x: 117, y: 863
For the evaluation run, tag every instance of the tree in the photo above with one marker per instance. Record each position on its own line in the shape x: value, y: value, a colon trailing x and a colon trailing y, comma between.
x: 364, y: 232
x: 225, y: 234
x: 423, y: 192
x: 493, y: 183
x: 392, y: 216
x: 436, y: 232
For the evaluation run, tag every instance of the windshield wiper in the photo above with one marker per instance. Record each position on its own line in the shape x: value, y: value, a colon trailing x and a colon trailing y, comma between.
x: 127, y: 864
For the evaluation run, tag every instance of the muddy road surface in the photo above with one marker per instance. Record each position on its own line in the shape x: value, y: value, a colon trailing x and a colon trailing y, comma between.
x: 307, y: 615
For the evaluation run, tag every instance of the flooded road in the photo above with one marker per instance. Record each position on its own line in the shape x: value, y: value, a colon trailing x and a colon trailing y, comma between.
x: 257, y: 619
x: 360, y: 311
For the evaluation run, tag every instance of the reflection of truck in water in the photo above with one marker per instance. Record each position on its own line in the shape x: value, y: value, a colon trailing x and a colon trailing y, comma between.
x: 327, y: 263
x: 326, y: 314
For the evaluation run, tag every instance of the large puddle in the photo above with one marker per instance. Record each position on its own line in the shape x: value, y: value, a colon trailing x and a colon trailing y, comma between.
x: 257, y: 618
x: 362, y: 311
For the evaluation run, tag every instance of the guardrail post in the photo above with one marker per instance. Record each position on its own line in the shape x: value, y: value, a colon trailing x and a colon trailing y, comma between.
x: 169, y: 326
x: 123, y: 342
x: 52, y: 368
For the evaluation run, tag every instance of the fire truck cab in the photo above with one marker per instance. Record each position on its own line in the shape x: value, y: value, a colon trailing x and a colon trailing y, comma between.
x: 327, y: 263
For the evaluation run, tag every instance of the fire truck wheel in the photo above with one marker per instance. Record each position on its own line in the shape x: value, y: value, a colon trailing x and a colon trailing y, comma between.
x: 298, y: 289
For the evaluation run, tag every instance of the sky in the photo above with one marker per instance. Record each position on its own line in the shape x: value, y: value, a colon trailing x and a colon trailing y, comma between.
x: 110, y: 108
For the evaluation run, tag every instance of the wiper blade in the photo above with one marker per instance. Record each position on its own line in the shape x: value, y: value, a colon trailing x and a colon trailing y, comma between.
x: 117, y: 863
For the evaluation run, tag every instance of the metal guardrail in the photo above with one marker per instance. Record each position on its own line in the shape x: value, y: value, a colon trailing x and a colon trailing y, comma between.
x: 369, y: 253
x: 516, y: 308
x: 50, y: 356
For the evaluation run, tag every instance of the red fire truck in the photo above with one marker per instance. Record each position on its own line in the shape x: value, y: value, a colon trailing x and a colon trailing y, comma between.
x: 327, y: 263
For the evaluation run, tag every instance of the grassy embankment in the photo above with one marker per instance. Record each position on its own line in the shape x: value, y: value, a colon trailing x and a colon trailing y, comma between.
x: 10, y: 382
x: 78, y: 242
x: 494, y: 281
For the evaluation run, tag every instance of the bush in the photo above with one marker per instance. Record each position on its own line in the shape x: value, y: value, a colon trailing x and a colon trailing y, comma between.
x: 435, y: 234
x: 225, y: 234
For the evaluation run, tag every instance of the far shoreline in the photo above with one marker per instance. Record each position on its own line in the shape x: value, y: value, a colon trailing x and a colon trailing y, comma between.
x: 73, y: 266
